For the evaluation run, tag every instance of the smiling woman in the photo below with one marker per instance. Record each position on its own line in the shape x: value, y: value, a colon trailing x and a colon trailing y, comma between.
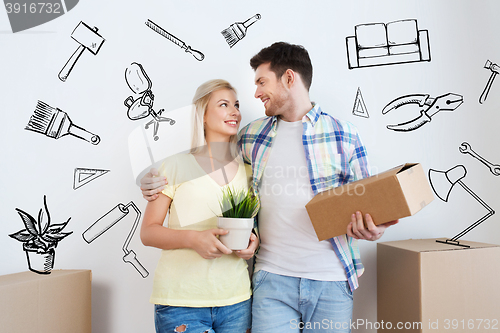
x: 197, y: 275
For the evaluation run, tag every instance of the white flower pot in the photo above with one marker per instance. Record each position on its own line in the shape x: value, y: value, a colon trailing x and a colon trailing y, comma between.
x: 239, y: 233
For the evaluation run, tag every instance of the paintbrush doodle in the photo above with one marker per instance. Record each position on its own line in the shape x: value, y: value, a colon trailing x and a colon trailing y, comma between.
x: 495, y: 69
x: 430, y: 106
x: 83, y: 176
x: 156, y: 28
x: 142, y: 107
x: 55, y: 123
x: 89, y: 39
x: 237, y: 31
x: 465, y: 148
x: 110, y: 219
x: 359, y: 108
x: 40, y: 238
x: 397, y: 42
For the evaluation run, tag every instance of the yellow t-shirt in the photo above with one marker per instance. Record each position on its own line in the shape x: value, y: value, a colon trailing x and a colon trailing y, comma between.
x: 182, y: 276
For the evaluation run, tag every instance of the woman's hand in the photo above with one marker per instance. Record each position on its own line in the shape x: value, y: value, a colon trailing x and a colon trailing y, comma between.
x: 249, y: 252
x: 207, y: 245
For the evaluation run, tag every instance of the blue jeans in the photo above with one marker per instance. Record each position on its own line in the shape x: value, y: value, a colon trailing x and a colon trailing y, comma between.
x: 290, y: 304
x: 234, y: 318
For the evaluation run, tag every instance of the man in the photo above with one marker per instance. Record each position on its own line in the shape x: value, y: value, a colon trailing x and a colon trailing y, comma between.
x: 297, y: 151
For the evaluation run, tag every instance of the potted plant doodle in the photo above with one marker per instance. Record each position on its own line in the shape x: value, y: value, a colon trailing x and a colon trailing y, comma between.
x: 238, y: 208
x: 40, y: 238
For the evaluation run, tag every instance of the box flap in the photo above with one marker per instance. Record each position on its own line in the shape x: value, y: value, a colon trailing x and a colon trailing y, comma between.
x: 429, y: 245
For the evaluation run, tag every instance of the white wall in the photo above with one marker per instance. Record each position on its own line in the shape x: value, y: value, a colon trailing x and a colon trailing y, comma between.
x: 462, y: 34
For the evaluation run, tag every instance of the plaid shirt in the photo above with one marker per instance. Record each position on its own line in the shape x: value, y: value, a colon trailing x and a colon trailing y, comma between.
x: 335, y: 156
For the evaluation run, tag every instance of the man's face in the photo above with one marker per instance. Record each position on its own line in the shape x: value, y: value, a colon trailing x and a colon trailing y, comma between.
x: 270, y: 90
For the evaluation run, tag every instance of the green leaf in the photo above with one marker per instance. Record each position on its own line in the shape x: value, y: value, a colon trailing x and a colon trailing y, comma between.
x: 29, y: 222
x: 239, y: 204
x: 22, y: 236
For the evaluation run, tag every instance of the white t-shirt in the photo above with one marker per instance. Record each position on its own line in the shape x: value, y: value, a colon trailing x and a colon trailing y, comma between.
x: 289, y: 245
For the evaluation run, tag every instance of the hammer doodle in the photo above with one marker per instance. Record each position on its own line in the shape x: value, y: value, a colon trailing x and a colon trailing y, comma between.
x: 495, y: 69
x: 465, y: 148
x: 55, y: 123
x: 139, y: 82
x: 237, y: 31
x: 430, y: 106
x: 89, y: 39
x: 110, y: 219
x: 40, y: 238
x: 156, y: 28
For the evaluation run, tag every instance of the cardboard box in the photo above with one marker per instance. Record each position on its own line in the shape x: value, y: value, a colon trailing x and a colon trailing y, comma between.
x: 59, y: 302
x: 399, y: 192
x: 435, y: 287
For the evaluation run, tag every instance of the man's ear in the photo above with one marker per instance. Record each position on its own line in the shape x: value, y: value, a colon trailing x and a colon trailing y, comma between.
x: 289, y: 78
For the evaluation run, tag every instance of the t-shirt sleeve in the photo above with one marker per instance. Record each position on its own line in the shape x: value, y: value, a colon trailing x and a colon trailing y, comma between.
x: 169, y: 169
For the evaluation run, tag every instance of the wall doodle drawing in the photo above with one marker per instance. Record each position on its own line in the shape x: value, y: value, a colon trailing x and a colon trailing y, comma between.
x: 55, y: 123
x: 237, y: 31
x: 442, y: 183
x: 495, y: 69
x: 83, y: 176
x: 398, y: 42
x: 430, y: 106
x: 156, y: 28
x: 89, y: 39
x: 465, y: 148
x: 359, y: 108
x: 142, y: 107
x: 40, y: 238
x: 110, y: 219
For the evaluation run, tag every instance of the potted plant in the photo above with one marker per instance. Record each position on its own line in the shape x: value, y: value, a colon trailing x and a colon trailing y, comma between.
x: 239, y: 208
x: 40, y: 238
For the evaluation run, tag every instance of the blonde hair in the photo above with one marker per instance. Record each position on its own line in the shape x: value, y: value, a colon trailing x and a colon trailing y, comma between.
x: 200, y: 101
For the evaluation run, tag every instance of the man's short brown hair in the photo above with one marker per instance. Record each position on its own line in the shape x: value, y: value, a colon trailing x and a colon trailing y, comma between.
x: 283, y: 56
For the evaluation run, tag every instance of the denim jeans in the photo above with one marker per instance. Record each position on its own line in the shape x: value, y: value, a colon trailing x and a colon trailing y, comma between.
x: 290, y: 304
x: 234, y: 318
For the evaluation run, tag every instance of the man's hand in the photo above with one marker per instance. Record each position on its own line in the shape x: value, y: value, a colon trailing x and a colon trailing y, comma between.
x: 208, y: 245
x: 152, y: 184
x: 371, y: 232
x: 249, y: 252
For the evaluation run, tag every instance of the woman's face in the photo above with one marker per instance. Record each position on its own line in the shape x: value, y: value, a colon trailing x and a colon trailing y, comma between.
x: 222, y: 117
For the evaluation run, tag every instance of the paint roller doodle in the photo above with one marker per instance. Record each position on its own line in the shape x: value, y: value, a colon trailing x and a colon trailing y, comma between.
x: 110, y: 219
x: 89, y: 39
x: 237, y: 31
x: 55, y: 123
x: 142, y: 107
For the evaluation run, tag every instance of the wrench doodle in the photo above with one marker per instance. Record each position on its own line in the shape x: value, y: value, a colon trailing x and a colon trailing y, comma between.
x: 465, y: 148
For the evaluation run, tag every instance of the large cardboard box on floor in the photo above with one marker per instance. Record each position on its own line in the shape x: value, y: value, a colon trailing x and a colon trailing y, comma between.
x: 59, y: 302
x: 396, y: 193
x: 426, y: 286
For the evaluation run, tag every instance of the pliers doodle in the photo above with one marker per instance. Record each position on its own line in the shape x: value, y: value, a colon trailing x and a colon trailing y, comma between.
x: 431, y: 106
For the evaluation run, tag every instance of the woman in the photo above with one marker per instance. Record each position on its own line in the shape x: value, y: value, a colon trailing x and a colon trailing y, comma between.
x: 199, y: 284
